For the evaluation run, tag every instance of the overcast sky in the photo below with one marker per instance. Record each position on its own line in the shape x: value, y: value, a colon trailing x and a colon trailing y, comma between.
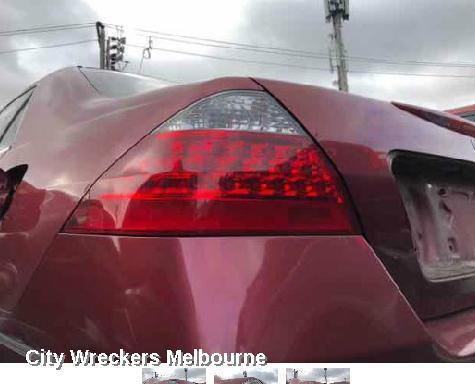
x: 317, y: 374
x: 402, y: 30
x: 197, y: 375
x: 267, y: 375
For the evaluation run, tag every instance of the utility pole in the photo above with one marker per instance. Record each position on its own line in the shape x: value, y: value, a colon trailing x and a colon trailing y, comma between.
x: 326, y: 379
x: 111, y: 49
x: 186, y: 374
x: 337, y: 11
x: 115, y: 52
x: 107, y: 58
x: 101, y: 39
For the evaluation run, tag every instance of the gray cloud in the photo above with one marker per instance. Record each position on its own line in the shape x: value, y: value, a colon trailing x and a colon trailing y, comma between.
x: 423, y: 30
x: 21, y: 69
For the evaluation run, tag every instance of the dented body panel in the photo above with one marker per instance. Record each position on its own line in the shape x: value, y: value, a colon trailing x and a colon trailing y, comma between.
x: 295, y: 298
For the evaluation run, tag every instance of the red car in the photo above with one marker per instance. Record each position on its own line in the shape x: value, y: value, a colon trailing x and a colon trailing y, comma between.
x: 467, y: 112
x: 234, y: 215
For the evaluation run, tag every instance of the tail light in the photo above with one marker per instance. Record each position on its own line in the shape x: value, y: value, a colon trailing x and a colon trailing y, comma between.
x: 233, y: 163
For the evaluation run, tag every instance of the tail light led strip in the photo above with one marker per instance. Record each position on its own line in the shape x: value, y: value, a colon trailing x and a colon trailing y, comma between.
x: 235, y: 163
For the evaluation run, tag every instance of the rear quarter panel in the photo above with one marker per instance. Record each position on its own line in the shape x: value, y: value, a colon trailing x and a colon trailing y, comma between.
x: 70, y: 135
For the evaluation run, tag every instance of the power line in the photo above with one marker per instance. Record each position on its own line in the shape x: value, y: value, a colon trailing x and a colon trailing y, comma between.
x: 46, y: 46
x: 240, y: 46
x: 303, y: 66
x: 232, y: 59
x: 287, y: 51
x: 152, y: 33
x: 325, y: 57
x: 454, y: 64
x: 223, y: 44
x: 43, y: 29
x: 46, y: 27
x: 415, y: 74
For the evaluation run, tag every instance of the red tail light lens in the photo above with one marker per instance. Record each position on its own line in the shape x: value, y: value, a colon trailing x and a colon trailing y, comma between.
x: 192, y: 178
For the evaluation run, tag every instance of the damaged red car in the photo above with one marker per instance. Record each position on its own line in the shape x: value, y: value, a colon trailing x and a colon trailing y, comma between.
x: 234, y: 215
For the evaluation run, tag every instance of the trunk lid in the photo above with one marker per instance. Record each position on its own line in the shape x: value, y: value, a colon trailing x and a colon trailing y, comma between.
x: 365, y: 139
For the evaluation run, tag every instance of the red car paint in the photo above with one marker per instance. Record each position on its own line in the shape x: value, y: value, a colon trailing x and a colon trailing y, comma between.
x: 295, y: 298
x: 463, y: 110
x: 467, y: 112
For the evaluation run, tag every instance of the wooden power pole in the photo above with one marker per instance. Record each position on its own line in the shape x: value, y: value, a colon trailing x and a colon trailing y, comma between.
x: 101, y: 39
x: 336, y: 11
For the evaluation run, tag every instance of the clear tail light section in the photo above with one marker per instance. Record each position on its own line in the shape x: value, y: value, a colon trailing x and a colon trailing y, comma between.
x: 235, y: 163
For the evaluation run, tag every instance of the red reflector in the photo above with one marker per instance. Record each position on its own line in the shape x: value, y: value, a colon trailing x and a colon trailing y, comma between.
x: 217, y: 182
